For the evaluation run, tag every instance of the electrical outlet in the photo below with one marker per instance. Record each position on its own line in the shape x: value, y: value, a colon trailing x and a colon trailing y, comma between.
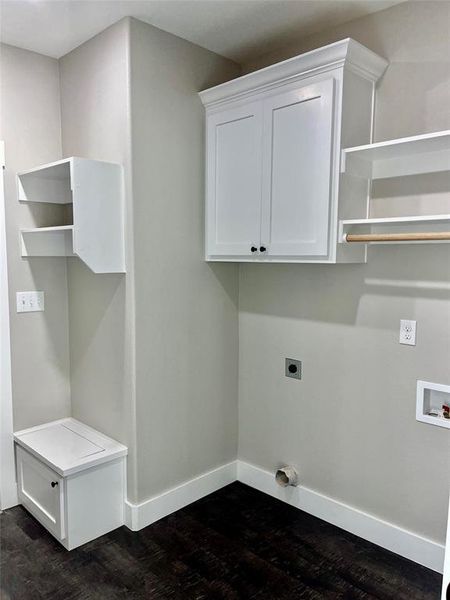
x: 30, y: 301
x: 407, y: 332
x: 293, y: 368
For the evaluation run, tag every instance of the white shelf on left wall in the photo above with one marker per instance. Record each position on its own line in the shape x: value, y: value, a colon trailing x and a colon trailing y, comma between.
x: 95, y: 190
x: 47, y: 241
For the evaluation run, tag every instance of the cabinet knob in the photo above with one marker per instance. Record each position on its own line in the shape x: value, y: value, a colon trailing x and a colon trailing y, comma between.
x: 254, y: 249
x: 54, y: 483
x: 262, y: 248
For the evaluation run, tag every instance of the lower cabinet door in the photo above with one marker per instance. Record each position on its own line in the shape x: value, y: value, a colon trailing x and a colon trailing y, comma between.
x: 298, y: 142
x: 41, y: 491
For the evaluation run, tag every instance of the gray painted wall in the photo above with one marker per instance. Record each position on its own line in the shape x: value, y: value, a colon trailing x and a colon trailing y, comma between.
x: 186, y: 310
x: 183, y: 414
x: 31, y: 130
x: 187, y: 345
x: 95, y: 113
x: 350, y: 423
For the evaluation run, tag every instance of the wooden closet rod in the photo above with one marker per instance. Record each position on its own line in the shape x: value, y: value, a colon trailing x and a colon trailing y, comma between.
x: 397, y: 237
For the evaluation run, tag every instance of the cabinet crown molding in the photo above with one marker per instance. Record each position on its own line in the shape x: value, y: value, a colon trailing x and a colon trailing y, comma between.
x: 346, y: 53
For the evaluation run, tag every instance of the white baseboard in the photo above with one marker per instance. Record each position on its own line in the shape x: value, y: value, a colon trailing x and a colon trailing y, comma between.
x: 384, y: 534
x: 140, y: 515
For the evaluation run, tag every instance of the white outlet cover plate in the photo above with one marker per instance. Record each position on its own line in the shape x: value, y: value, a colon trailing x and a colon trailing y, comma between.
x: 30, y: 301
x: 407, y: 332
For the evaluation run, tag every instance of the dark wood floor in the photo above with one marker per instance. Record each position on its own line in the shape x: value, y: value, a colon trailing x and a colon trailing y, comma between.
x: 234, y: 544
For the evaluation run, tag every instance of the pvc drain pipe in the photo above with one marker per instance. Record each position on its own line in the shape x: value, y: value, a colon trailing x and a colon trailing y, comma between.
x: 286, y: 476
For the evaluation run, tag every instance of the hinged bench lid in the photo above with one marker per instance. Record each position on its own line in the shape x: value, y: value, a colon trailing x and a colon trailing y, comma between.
x: 68, y: 446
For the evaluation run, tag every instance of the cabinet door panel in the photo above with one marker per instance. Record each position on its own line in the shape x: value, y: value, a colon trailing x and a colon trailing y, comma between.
x: 298, y: 130
x: 41, y: 491
x: 234, y: 180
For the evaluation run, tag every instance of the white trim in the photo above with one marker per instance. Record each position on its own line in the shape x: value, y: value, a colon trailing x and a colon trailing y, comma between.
x: 8, y: 487
x: 387, y: 535
x: 346, y: 53
x: 140, y: 515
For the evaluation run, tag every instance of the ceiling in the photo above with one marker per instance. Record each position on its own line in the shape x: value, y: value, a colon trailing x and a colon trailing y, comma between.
x: 237, y: 29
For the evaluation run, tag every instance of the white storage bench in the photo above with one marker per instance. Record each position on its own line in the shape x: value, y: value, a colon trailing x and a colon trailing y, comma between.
x: 72, y: 479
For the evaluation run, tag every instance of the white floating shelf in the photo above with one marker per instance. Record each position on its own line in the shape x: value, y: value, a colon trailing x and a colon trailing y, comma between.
x: 411, y: 224
x: 427, y: 153
x: 48, y: 241
x: 429, y: 399
x: 48, y: 183
x: 95, y: 188
x: 405, y: 220
x: 47, y: 229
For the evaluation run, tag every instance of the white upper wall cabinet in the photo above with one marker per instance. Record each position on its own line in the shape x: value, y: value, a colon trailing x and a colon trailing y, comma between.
x: 95, y: 191
x: 274, y: 192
